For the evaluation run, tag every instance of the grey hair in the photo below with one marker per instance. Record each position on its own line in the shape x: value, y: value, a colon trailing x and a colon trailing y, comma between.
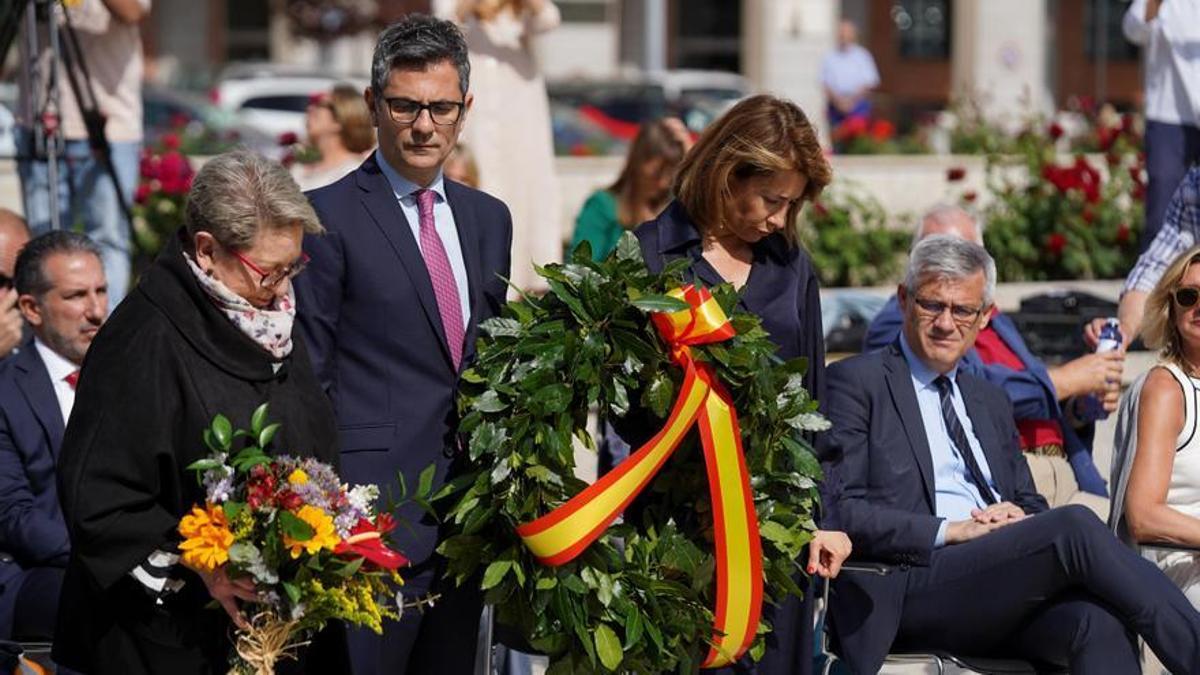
x: 940, y: 213
x: 237, y: 193
x: 418, y: 41
x: 944, y: 256
x: 29, y: 274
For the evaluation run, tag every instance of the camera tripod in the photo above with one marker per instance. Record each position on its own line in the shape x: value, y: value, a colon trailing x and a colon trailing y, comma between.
x: 40, y: 75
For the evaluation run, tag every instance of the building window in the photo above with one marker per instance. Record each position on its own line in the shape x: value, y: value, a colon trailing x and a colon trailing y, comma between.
x: 709, y: 35
x: 1110, y: 40
x: 923, y: 27
x: 583, y: 11
x: 248, y: 36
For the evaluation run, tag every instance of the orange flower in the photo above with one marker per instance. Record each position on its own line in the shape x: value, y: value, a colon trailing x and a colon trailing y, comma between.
x: 324, y: 535
x: 206, y: 537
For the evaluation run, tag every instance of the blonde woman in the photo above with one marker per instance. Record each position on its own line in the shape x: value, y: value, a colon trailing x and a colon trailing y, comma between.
x: 338, y: 125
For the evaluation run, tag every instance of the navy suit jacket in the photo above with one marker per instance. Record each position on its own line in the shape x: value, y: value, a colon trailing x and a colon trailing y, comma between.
x: 886, y: 502
x: 32, y: 530
x: 367, y: 309
x: 1031, y: 392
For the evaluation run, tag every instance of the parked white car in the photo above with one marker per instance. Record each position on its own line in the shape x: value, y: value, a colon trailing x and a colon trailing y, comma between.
x: 272, y: 97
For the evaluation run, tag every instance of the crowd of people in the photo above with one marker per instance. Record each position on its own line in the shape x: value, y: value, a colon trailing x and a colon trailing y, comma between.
x: 954, y: 455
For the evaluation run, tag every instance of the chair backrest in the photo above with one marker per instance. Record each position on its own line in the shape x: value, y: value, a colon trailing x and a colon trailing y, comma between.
x: 1124, y: 449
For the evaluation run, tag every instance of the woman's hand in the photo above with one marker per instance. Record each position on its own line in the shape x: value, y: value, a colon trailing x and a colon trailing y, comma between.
x: 226, y: 591
x: 827, y: 551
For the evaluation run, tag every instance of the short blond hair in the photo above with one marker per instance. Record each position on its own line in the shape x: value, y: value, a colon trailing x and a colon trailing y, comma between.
x: 350, y: 110
x: 760, y: 135
x: 1158, y: 321
x: 236, y: 194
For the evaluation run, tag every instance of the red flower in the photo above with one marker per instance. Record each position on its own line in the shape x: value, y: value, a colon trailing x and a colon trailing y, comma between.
x: 366, y: 540
x: 1123, y: 234
x: 851, y: 127
x: 1055, y: 244
x: 955, y: 174
x: 882, y: 130
x: 179, y: 120
x: 1089, y: 216
x: 290, y: 500
x: 820, y: 209
x: 1112, y: 159
x: 1139, y: 192
x: 1055, y: 130
x: 142, y: 194
x: 969, y: 196
x: 1127, y: 123
x: 170, y: 141
x: 288, y: 138
x: 260, y: 488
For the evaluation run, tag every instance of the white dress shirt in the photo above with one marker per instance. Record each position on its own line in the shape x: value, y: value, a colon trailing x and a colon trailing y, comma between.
x: 59, y: 368
x: 1172, y: 59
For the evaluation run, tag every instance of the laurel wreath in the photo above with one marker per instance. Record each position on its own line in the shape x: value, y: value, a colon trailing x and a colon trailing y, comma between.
x: 639, y: 599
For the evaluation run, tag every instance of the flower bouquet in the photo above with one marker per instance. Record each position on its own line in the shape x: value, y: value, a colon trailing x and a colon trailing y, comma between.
x: 314, y: 547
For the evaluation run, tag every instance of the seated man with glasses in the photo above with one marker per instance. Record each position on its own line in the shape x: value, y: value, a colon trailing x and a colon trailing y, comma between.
x: 932, y: 480
x: 1056, y: 442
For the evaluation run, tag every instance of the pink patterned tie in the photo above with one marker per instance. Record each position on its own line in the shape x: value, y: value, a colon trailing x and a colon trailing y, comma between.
x: 440, y: 273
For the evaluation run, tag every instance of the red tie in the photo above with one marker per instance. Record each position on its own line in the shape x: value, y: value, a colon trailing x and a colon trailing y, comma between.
x: 445, y: 288
x: 72, y: 379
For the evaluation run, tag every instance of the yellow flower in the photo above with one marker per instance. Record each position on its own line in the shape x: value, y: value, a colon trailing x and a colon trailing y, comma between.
x: 298, y: 477
x: 206, y: 537
x: 324, y: 535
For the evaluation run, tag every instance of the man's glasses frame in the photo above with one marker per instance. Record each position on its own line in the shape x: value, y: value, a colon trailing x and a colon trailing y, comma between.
x: 274, y: 277
x: 963, y: 315
x: 407, y: 111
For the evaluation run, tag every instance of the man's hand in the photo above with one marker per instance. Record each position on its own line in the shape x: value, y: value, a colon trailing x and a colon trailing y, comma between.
x: 1001, y: 513
x: 226, y: 591
x: 826, y: 553
x: 1089, y: 374
x: 11, y: 322
x: 1091, y: 333
x: 962, y: 531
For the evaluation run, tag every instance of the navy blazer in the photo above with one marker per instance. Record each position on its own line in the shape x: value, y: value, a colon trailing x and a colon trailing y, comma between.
x: 32, y: 530
x: 368, y: 312
x: 1031, y: 392
x: 886, y: 503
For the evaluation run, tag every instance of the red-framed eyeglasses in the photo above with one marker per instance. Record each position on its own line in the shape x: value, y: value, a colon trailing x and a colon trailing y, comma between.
x: 274, y: 277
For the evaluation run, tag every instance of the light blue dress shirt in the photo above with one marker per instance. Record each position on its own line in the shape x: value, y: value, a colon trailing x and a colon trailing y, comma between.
x: 848, y: 71
x: 443, y: 218
x: 954, y: 493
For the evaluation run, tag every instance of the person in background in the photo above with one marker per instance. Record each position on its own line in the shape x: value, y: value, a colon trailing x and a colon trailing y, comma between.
x: 209, y: 329
x: 64, y: 297
x: 848, y: 74
x: 338, y: 126
x: 1057, y: 445
x: 462, y: 167
x: 641, y: 190
x: 738, y: 197
x: 14, y: 234
x: 111, y: 46
x: 1167, y: 31
x: 510, y: 130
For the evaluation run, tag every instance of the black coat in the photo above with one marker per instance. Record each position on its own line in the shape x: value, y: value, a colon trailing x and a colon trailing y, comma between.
x: 158, y: 372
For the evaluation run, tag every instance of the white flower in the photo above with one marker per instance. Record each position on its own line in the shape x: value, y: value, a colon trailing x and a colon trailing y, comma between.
x: 362, y: 499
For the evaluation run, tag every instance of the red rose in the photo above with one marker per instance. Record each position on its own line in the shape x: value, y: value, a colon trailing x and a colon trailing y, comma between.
x: 288, y: 138
x: 1139, y: 192
x: 1123, y: 234
x: 1105, y: 137
x: 290, y: 500
x: 1055, y: 244
x: 1127, y: 123
x: 142, y: 194
x: 179, y: 120
x: 969, y: 196
x: 170, y: 141
x: 882, y: 130
x: 1089, y: 216
x: 955, y: 174
x: 1055, y: 131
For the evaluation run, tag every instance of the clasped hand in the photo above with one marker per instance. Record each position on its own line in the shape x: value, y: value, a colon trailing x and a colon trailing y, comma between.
x: 983, y: 521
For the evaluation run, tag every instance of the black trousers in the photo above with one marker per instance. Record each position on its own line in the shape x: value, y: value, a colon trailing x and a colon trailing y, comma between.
x: 1057, y: 588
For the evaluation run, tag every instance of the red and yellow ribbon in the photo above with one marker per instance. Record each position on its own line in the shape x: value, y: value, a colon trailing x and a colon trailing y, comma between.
x: 564, y: 533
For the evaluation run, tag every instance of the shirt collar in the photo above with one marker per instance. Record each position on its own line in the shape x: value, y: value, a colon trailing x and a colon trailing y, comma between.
x: 922, y: 373
x: 404, y: 187
x: 57, y: 366
x: 677, y: 233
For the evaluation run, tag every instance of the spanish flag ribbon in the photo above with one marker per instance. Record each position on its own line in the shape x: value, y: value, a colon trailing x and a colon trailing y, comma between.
x: 559, y: 536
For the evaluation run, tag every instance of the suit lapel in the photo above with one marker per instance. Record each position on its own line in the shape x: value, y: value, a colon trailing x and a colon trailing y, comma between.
x: 1008, y: 332
x: 34, y: 382
x: 985, y: 433
x: 899, y: 382
x: 380, y: 202
x: 469, y: 240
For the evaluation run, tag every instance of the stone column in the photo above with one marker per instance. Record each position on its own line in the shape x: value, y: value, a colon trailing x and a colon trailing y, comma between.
x: 1000, y: 56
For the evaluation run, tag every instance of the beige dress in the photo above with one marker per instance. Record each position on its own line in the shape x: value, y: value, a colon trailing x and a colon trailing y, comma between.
x: 508, y: 130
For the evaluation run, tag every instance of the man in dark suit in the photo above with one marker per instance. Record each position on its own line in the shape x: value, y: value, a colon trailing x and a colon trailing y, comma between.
x: 14, y: 234
x: 1056, y: 443
x: 932, y: 480
x: 62, y: 293
x: 411, y: 264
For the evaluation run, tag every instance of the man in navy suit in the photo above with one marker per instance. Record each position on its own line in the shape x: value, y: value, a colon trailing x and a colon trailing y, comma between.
x: 14, y: 234
x: 63, y: 295
x: 1057, y: 446
x: 410, y: 265
x: 932, y: 480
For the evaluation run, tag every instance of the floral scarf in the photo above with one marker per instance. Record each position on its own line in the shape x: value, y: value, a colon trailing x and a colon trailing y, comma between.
x: 269, y: 328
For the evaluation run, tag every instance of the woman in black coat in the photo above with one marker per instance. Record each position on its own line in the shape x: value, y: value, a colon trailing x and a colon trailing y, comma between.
x: 208, y: 330
x: 738, y: 197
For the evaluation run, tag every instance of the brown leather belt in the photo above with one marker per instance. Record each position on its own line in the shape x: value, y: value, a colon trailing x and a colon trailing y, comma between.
x: 1049, y: 450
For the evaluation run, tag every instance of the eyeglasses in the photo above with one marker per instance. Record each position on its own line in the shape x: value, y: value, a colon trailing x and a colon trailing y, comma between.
x: 1187, y: 296
x: 406, y: 111
x: 962, y: 314
x: 274, y: 277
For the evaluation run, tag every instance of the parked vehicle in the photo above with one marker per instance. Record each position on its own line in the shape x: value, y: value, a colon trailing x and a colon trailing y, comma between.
x: 272, y: 97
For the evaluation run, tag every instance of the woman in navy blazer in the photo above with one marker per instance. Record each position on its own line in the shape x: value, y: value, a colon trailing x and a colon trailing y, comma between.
x: 739, y: 193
